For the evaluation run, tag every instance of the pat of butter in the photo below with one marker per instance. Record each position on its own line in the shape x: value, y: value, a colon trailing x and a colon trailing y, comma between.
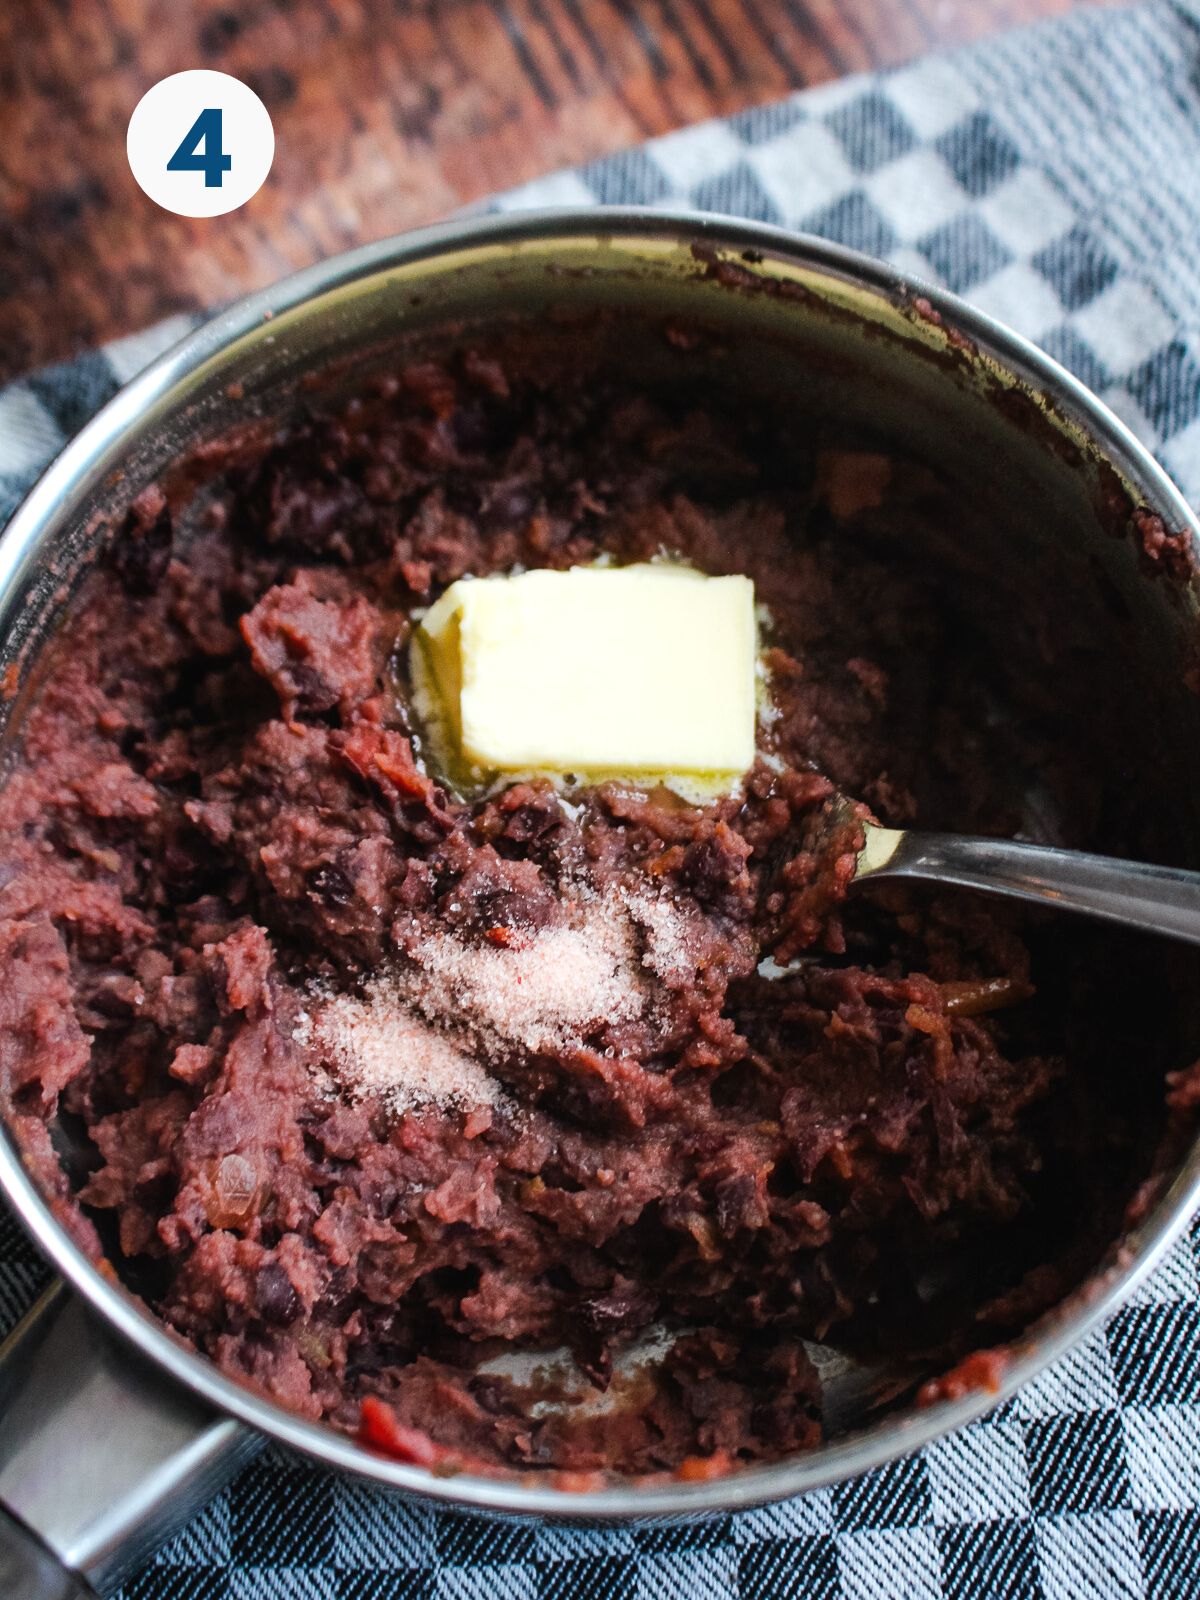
x: 634, y: 671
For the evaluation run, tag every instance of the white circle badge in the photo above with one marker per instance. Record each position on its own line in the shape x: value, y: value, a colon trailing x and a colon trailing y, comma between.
x: 200, y: 143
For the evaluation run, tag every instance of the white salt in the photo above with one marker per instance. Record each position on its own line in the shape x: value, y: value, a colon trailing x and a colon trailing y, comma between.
x: 421, y: 1030
x: 668, y: 954
x: 544, y: 990
x: 374, y: 1045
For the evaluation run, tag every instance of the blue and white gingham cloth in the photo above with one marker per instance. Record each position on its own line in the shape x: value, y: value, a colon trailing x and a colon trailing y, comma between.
x: 1053, y: 178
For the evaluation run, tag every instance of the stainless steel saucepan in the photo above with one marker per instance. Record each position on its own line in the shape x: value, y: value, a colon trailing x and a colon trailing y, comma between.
x: 112, y: 1430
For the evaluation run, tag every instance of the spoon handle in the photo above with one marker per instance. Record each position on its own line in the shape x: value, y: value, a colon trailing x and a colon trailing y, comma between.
x: 1158, y: 899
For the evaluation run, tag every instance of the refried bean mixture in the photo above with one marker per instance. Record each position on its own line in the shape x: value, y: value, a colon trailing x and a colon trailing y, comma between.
x: 365, y: 1084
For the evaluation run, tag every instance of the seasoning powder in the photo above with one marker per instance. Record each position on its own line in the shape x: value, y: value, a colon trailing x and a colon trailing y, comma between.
x: 424, y: 1030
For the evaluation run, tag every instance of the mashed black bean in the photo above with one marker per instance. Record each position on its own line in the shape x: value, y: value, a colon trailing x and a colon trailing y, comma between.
x: 222, y: 809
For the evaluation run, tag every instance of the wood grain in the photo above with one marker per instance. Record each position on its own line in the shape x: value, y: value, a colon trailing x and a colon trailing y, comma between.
x: 387, y: 113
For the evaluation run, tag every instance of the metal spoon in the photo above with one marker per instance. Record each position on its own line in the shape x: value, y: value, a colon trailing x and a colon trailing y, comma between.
x: 1158, y: 899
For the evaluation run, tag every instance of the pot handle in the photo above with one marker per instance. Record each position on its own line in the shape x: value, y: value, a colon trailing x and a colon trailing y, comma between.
x: 29, y: 1571
x: 101, y: 1456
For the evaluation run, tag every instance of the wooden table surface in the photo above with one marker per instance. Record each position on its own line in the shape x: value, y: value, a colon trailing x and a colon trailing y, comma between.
x: 387, y: 113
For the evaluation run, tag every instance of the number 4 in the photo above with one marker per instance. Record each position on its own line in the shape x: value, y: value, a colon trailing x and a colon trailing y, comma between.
x: 212, y: 160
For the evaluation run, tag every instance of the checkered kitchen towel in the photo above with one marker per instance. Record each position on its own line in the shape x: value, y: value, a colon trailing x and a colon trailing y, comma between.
x: 1052, y: 177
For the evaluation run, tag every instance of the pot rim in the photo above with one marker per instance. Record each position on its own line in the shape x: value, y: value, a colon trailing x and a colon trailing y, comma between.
x: 117, y: 426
